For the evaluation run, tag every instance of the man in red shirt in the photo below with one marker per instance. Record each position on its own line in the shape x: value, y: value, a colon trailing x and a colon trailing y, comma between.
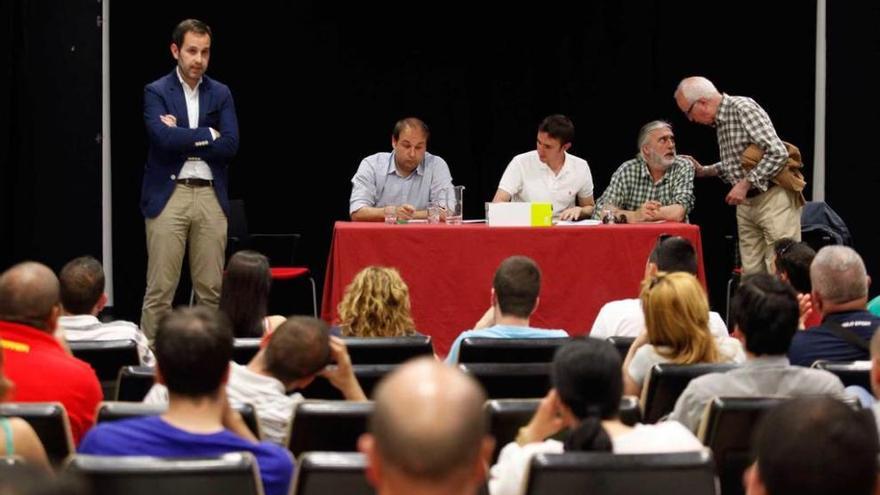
x: 41, y: 368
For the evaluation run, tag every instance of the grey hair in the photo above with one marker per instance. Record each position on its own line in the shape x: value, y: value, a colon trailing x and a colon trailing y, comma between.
x: 651, y: 126
x: 838, y: 274
x: 696, y: 87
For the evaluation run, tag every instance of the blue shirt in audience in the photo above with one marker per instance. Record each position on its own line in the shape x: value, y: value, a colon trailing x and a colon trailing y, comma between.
x: 820, y: 342
x: 152, y: 436
x: 502, y: 332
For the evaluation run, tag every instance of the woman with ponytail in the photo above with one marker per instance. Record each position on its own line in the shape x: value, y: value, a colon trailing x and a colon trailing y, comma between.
x: 583, y: 406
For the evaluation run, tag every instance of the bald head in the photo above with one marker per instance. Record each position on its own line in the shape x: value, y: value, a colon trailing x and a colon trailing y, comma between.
x: 29, y: 295
x: 696, y: 87
x: 838, y: 275
x: 428, y: 423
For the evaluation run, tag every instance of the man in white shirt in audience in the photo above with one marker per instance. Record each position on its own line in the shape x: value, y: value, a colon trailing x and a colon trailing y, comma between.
x: 814, y: 446
x: 624, y: 318
x: 515, y: 291
x: 297, y: 351
x: 428, y: 433
x: 766, y: 313
x: 83, y: 298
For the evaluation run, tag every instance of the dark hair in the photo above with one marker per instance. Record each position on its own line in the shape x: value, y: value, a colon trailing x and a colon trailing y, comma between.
x: 82, y: 284
x: 245, y: 294
x: 411, y: 123
x: 517, y: 283
x: 298, y: 348
x: 674, y: 254
x: 558, y: 127
x: 794, y: 258
x: 766, y: 311
x: 193, y: 348
x: 816, y: 446
x: 586, y: 375
x: 189, y: 26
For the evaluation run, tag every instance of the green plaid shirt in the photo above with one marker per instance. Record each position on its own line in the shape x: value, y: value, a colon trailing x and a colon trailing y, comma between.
x: 740, y: 122
x: 632, y: 185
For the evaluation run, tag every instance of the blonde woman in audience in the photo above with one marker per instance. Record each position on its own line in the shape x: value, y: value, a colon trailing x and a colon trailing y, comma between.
x: 17, y: 438
x: 676, y: 329
x: 376, y: 304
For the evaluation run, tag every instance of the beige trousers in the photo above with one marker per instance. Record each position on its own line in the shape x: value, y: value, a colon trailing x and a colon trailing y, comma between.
x: 763, y: 220
x: 192, y: 215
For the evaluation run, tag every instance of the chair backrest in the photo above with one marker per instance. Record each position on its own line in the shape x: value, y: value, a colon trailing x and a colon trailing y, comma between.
x: 483, y: 350
x: 106, y: 357
x: 387, y: 350
x: 604, y: 473
x: 851, y: 373
x: 244, y: 349
x: 666, y: 382
x: 368, y: 375
x: 135, y: 475
x: 134, y: 382
x: 115, y: 411
x: 328, y: 425
x: 511, y: 380
x: 726, y: 428
x: 49, y: 420
x: 320, y: 473
x: 506, y: 416
x: 622, y: 344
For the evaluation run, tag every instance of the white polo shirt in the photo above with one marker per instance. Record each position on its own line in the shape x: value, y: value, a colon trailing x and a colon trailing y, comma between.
x: 528, y: 179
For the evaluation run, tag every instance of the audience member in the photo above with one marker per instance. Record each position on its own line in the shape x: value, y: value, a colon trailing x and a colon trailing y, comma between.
x: 428, y: 433
x: 792, y: 263
x: 245, y: 295
x: 375, y: 304
x: 515, y: 291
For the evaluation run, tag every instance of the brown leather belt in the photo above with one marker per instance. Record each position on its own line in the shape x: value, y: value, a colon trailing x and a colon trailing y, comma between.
x: 195, y: 182
x: 751, y: 193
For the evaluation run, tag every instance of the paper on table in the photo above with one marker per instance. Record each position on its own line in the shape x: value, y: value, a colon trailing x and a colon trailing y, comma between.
x: 586, y: 221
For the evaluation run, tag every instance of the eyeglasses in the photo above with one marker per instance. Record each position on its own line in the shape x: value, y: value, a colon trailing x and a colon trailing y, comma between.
x: 780, y: 252
x: 691, y: 108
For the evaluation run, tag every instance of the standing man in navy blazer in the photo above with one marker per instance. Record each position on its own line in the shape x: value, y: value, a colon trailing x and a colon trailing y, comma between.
x: 193, y: 135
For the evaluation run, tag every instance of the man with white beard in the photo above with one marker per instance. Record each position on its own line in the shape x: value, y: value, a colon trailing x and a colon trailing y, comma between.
x: 655, y: 185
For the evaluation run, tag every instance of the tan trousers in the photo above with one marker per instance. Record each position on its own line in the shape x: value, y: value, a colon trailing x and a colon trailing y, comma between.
x: 192, y: 214
x: 763, y: 220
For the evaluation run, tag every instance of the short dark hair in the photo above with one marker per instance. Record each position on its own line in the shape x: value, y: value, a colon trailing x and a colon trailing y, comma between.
x: 794, y: 258
x: 558, y: 127
x: 815, y: 446
x: 766, y: 311
x: 674, y: 254
x: 82, y: 284
x: 245, y: 293
x: 298, y: 348
x: 189, y: 26
x: 193, y: 348
x: 410, y: 123
x: 517, y: 283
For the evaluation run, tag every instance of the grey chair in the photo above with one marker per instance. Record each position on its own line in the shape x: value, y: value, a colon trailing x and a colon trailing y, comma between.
x: 485, y: 350
x: 321, y: 473
x: 236, y: 473
x: 328, y: 426
x: 666, y: 382
x: 511, y: 380
x: 107, y: 358
x: 387, y: 350
x: 49, y: 420
x: 851, y: 373
x: 244, y: 349
x: 115, y: 411
x: 134, y: 382
x: 368, y: 375
x: 604, y: 473
x: 622, y: 344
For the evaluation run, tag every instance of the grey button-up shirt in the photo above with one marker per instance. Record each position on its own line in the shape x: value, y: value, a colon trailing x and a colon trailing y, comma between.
x: 378, y: 183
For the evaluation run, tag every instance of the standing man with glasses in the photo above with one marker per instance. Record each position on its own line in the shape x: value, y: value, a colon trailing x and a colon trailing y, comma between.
x: 765, y: 212
x: 192, y: 131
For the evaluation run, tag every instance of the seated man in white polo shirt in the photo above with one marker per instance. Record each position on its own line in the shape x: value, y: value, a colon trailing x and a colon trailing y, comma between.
x: 549, y: 174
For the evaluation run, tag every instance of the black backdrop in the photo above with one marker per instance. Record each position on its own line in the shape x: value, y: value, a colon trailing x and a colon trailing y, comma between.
x: 318, y: 86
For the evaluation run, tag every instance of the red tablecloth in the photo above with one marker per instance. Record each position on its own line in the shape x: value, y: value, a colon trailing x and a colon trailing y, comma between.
x: 449, y: 268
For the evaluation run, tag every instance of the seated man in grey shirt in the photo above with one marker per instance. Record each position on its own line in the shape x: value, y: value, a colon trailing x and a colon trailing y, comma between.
x: 408, y: 178
x: 765, y: 315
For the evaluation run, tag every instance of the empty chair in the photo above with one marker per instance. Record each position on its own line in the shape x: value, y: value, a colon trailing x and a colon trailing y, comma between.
x: 387, y: 350
x: 487, y: 350
x: 328, y: 425
x: 229, y: 473
x: 244, y: 349
x: 511, y: 380
x: 107, y: 358
x: 602, y: 473
x: 726, y: 428
x: 342, y: 473
x: 851, y: 373
x: 368, y: 376
x: 134, y: 382
x: 114, y: 411
x: 49, y: 420
x: 622, y: 344
x: 506, y: 416
x: 667, y: 381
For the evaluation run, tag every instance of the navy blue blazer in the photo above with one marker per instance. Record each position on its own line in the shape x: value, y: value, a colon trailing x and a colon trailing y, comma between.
x: 169, y: 147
